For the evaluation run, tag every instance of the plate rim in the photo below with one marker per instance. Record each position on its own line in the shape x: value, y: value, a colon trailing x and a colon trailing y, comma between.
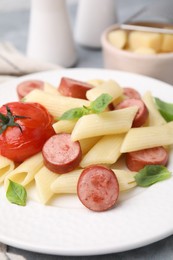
x: 78, y: 252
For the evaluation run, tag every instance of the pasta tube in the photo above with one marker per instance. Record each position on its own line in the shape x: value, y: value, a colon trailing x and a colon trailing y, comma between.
x: 105, y: 151
x: 106, y: 123
x: 96, y: 82
x: 125, y: 178
x: 50, y: 89
x: 43, y: 180
x: 6, y: 166
x: 64, y: 126
x: 154, y: 117
x: 110, y: 87
x: 26, y: 171
x: 55, y: 104
x: 88, y: 143
x: 147, y: 137
x: 67, y: 183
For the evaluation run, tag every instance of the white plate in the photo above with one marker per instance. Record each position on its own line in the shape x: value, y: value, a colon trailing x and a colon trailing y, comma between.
x: 141, y: 217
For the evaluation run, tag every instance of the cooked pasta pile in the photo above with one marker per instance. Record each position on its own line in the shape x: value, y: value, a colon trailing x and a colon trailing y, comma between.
x: 104, y: 138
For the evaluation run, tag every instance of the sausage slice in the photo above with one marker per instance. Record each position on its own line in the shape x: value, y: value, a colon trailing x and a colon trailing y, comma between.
x: 142, y: 113
x: 129, y: 93
x: 135, y: 161
x: 26, y: 86
x: 98, y: 188
x: 73, y: 88
x: 60, y: 154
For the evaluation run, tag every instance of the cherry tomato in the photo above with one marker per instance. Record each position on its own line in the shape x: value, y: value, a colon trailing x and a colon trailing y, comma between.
x: 24, y: 129
x: 27, y: 86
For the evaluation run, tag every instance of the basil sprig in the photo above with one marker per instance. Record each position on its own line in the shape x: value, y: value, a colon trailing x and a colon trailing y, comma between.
x: 165, y: 109
x: 16, y: 193
x: 100, y: 103
x: 97, y: 106
x: 151, y: 174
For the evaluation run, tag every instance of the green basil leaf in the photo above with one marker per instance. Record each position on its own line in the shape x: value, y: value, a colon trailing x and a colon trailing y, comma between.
x: 100, y: 104
x: 96, y: 106
x: 151, y: 174
x: 74, y: 113
x: 165, y: 109
x: 16, y: 193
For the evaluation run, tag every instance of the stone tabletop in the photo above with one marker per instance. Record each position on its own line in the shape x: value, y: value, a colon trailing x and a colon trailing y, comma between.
x: 14, y: 23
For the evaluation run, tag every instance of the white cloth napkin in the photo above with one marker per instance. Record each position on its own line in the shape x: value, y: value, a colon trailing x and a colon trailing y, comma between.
x: 13, y: 63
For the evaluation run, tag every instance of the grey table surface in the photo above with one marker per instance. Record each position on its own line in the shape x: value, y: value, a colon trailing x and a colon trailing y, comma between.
x: 14, y: 28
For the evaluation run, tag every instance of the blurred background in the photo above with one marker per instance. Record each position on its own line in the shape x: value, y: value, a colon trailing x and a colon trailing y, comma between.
x: 14, y: 24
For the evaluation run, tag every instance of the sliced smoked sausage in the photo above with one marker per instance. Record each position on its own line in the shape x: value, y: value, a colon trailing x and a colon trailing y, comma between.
x: 141, y: 115
x: 61, y: 154
x: 73, y: 88
x: 26, y: 86
x: 129, y: 93
x: 135, y: 161
x: 98, y: 188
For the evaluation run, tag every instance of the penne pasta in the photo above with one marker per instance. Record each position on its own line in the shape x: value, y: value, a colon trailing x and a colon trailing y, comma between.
x: 154, y: 117
x: 105, y: 151
x: 64, y: 126
x: 55, y: 104
x: 110, y: 87
x: 117, y: 100
x: 48, y: 88
x: 88, y: 143
x: 147, y: 137
x: 106, y: 123
x: 6, y: 166
x: 96, y: 82
x: 104, y: 139
x: 43, y: 180
x: 67, y: 183
x: 26, y: 171
x: 125, y: 178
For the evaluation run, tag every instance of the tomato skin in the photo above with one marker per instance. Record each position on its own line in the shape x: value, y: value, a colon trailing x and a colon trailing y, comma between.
x: 36, y: 128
